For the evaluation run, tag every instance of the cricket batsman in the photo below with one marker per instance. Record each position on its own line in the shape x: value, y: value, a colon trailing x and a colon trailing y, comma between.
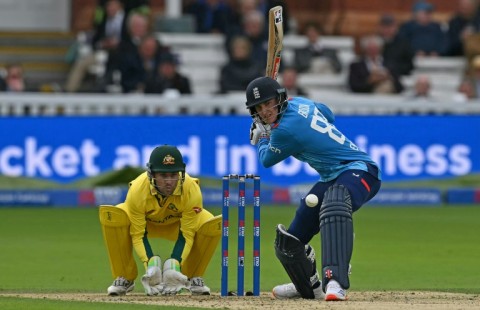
x: 348, y: 178
x: 163, y: 202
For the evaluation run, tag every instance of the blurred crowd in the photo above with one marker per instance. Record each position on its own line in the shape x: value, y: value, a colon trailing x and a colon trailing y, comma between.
x: 389, y: 54
x: 122, y: 53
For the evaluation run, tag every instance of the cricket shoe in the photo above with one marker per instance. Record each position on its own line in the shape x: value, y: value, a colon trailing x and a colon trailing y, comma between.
x: 288, y: 291
x: 334, y: 292
x: 120, y: 287
x: 198, y: 287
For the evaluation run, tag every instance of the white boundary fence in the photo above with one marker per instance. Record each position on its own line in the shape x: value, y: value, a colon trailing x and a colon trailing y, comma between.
x: 139, y: 104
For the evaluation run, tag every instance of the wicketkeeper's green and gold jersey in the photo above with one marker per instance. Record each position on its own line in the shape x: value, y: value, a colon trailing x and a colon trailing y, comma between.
x: 144, y: 205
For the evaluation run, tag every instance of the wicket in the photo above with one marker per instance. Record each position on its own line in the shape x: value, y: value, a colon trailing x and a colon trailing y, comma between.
x: 241, y: 233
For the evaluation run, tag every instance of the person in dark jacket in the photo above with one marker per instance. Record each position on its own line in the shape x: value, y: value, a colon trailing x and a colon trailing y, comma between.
x: 168, y: 77
x: 306, y: 57
x: 464, y: 23
x: 370, y: 74
x: 424, y: 34
x: 241, y: 68
x: 397, y: 53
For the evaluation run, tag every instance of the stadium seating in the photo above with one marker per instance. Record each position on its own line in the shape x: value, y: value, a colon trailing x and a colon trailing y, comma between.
x: 42, y: 55
x: 202, y: 55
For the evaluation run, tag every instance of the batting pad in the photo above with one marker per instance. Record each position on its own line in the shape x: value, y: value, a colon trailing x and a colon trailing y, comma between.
x: 336, y: 228
x: 116, y: 233
x: 203, y: 248
x: 291, y: 253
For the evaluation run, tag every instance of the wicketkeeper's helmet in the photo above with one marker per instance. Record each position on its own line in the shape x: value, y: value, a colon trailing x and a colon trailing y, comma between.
x: 166, y: 158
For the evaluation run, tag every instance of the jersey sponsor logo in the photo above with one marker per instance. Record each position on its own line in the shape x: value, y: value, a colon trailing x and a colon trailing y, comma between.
x: 166, y: 218
x: 197, y: 209
x: 303, y: 110
x: 274, y: 149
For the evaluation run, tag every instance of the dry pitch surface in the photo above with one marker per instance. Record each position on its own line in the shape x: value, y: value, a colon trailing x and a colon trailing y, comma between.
x: 357, y: 300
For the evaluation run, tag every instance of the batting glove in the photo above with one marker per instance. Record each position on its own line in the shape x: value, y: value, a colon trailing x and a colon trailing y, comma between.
x: 258, y: 132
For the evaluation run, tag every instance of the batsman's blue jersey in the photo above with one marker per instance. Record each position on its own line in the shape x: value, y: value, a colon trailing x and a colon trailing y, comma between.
x: 306, y: 132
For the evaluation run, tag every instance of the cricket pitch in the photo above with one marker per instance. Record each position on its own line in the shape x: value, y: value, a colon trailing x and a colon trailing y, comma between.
x: 407, y: 300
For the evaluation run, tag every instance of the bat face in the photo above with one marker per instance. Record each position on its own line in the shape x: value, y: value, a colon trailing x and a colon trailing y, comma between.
x: 275, y: 41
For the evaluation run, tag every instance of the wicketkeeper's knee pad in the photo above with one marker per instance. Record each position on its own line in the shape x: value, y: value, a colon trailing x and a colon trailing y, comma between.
x: 116, y: 233
x: 203, y: 248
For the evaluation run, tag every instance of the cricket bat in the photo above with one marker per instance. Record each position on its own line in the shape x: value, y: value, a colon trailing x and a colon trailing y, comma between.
x: 275, y: 41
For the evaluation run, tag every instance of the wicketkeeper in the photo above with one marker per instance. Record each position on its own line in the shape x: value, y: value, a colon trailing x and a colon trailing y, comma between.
x: 163, y: 202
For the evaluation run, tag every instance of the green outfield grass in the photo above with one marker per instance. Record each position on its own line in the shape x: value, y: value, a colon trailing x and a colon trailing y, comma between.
x: 396, y: 248
x: 8, y: 303
x: 125, y: 175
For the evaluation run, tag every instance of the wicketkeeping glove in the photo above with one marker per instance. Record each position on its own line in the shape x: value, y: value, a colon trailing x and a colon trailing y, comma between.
x: 258, y: 132
x: 173, y: 279
x: 152, y: 279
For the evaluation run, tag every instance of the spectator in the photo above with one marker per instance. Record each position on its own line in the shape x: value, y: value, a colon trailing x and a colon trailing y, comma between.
x: 241, y: 68
x: 168, y: 77
x: 463, y: 24
x: 315, y: 57
x: 112, y: 29
x: 14, y: 81
x: 211, y: 16
x: 137, y: 68
x: 247, y: 6
x: 3, y: 84
x: 421, y: 89
x: 138, y: 29
x: 108, y: 33
x: 240, y: 9
x: 474, y: 75
x: 465, y: 92
x: 397, y: 53
x: 370, y: 74
x: 425, y: 36
x: 290, y: 82
x: 130, y: 6
x: 253, y: 26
